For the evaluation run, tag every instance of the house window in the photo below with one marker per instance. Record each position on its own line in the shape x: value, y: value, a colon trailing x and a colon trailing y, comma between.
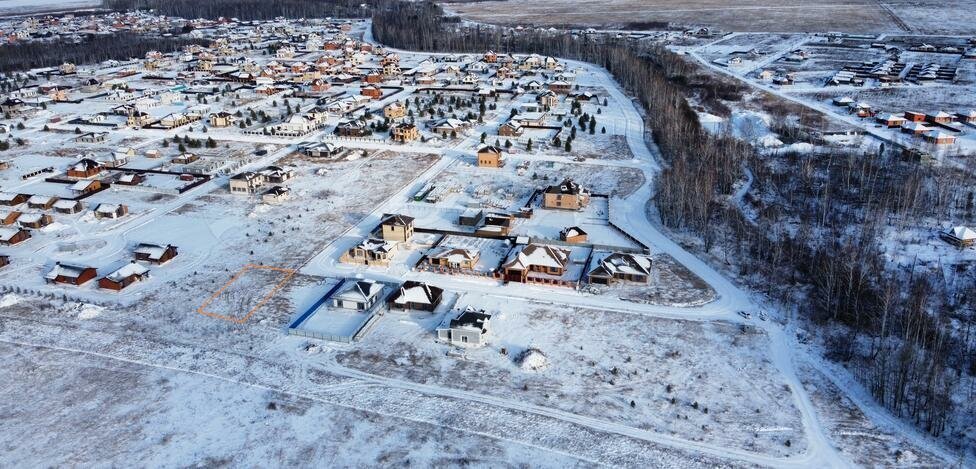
x: 464, y: 339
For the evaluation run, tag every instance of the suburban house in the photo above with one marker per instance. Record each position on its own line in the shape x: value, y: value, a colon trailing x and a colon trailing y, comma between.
x: 417, y: 296
x: 92, y: 137
x: 961, y: 236
x: 569, y: 195
x: 124, y: 276
x: 471, y: 217
x: 370, y: 251
x: 154, y: 253
x: 621, y: 266
x: 86, y: 186
x: 8, y: 217
x: 397, y: 227
x: 12, y: 236
x: 321, y: 149
x: 371, y: 91
x: 247, y: 182
x: 454, y: 258
x: 468, y: 329
x: 511, y: 129
x: 395, y: 110
x: 221, y: 119
x: 130, y: 179
x: 85, y: 168
x: 360, y: 295
x: 35, y: 220
x: 490, y: 156
x: 276, y: 194
x: 68, y: 206
x: 536, y: 258
x: 573, y: 234
x: 352, y: 128
x: 10, y: 199
x: 110, y: 211
x: 403, y: 133
x: 938, y: 137
x: 70, y: 274
x: 891, y: 120
x: 41, y: 202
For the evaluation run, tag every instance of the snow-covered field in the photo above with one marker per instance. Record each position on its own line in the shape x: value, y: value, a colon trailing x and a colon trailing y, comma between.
x: 19, y: 7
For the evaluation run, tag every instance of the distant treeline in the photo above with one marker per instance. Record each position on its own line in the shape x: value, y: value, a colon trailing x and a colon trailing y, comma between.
x: 251, y: 9
x: 814, y: 236
x: 27, y: 55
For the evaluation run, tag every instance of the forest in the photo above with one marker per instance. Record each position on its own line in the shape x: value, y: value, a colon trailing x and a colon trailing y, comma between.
x: 120, y: 46
x: 812, y: 241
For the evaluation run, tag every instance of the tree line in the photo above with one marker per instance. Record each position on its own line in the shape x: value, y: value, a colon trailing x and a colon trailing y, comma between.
x: 808, y: 232
x: 96, y: 48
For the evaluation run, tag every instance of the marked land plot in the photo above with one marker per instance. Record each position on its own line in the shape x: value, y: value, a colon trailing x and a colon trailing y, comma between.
x: 246, y: 292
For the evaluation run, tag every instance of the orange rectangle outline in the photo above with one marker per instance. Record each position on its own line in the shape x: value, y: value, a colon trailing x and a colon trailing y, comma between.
x: 290, y: 273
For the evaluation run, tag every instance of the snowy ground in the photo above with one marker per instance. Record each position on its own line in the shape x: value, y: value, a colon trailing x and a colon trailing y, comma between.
x: 166, y: 386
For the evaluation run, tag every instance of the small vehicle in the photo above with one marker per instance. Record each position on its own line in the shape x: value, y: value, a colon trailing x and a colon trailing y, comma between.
x: 763, y: 316
x: 744, y: 314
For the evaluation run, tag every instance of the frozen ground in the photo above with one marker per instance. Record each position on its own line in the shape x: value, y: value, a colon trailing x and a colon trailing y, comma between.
x: 708, y: 382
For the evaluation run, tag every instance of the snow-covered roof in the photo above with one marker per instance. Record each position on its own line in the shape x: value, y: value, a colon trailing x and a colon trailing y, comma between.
x: 127, y: 270
x: 539, y: 255
x: 361, y: 290
x: 65, y: 270
x: 963, y: 233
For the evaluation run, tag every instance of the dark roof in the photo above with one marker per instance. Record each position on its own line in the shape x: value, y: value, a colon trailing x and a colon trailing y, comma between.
x: 396, y: 219
x: 567, y: 187
x: 471, y: 318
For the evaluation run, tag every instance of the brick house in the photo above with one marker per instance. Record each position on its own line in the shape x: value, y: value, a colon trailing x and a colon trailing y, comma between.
x: 568, y: 195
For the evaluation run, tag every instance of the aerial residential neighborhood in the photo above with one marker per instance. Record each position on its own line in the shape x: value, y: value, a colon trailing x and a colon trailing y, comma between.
x: 390, y: 233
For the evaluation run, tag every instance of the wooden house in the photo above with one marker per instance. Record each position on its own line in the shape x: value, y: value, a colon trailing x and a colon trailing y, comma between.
x: 66, y: 206
x: 34, y: 220
x: 110, y: 211
x: 41, y: 202
x: 130, y: 179
x: 10, y: 199
x: 124, y: 276
x: 8, y: 217
x: 12, y: 236
x: 68, y: 274
x: 86, y: 186
x: 154, y: 253
x: 84, y: 168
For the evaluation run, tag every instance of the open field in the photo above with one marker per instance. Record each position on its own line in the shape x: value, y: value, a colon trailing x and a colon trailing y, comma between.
x: 750, y: 15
